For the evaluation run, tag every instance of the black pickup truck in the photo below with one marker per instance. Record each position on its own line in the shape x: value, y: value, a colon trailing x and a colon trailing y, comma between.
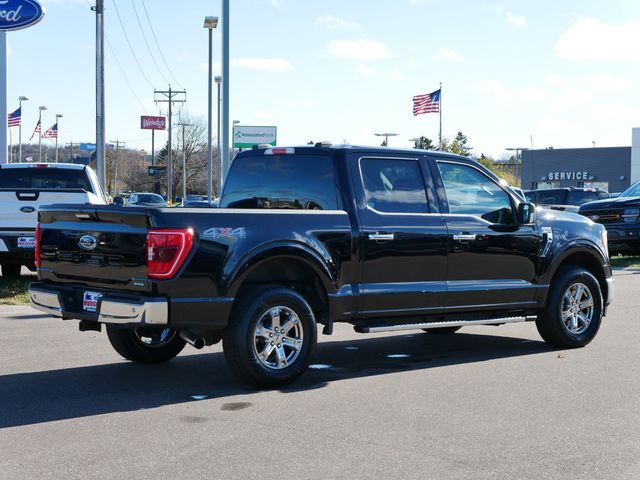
x: 380, y: 238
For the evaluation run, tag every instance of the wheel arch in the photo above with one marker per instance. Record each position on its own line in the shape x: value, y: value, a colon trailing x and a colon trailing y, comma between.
x: 584, y: 256
x: 294, y: 267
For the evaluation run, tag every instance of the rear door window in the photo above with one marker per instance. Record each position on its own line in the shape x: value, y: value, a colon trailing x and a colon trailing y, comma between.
x: 300, y: 182
x: 44, y: 179
x: 394, y: 185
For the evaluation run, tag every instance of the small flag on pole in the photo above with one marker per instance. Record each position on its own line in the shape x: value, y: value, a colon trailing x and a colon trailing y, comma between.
x: 15, y: 118
x: 52, y: 132
x: 426, y: 103
x: 37, y: 130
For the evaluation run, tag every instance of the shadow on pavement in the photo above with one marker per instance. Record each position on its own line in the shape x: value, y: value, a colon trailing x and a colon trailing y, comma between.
x: 36, y: 397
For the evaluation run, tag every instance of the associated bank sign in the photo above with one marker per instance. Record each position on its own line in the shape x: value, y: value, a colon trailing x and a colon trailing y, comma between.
x: 248, y: 136
x: 16, y: 14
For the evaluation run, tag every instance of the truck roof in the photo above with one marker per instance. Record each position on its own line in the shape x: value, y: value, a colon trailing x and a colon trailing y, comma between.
x: 328, y: 147
x: 70, y: 166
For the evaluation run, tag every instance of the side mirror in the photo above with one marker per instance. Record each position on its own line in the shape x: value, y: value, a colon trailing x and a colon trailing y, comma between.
x: 119, y: 201
x: 526, y: 213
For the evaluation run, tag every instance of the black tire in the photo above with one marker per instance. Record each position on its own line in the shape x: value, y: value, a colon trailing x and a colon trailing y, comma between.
x: 11, y: 270
x: 241, y: 346
x: 442, y: 331
x: 549, y: 321
x: 127, y: 342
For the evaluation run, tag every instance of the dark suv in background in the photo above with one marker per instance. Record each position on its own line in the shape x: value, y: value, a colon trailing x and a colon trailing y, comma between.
x: 566, y: 199
x: 620, y: 216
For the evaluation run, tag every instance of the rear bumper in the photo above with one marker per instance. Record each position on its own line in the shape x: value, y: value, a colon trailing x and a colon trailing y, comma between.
x: 62, y: 301
x: 15, y: 249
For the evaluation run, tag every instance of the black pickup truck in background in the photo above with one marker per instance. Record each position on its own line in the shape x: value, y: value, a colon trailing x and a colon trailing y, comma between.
x: 380, y: 238
x: 621, y: 217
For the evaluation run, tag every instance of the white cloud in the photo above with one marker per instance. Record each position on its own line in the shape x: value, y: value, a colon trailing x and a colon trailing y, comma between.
x: 358, y: 49
x: 517, y: 21
x: 367, y: 71
x: 607, y: 83
x: 591, y: 39
x: 448, y: 55
x: 277, y: 3
x: 556, y: 80
x: 264, y: 64
x: 336, y: 23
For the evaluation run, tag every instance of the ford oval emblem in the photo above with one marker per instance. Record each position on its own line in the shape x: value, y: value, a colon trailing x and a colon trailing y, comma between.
x: 595, y: 218
x: 27, y: 209
x: 87, y: 242
x: 16, y: 14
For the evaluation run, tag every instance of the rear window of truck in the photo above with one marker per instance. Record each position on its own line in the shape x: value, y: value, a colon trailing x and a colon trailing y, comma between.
x: 300, y: 182
x: 43, y: 179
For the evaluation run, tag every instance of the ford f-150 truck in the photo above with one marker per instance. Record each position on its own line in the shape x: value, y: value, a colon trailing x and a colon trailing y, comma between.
x: 380, y: 238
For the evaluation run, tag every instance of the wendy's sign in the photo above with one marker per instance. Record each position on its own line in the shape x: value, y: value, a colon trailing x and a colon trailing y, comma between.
x: 16, y: 14
x: 148, y: 122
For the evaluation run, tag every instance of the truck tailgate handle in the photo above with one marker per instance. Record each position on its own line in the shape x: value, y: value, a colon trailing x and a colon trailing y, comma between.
x: 380, y: 237
x: 464, y: 237
x: 27, y: 196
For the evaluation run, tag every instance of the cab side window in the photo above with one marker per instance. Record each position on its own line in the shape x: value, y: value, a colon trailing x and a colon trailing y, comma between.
x: 393, y: 185
x: 470, y: 192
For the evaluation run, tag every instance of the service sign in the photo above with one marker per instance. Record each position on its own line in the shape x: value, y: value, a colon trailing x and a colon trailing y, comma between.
x: 148, y: 122
x: 17, y: 14
x: 247, y: 136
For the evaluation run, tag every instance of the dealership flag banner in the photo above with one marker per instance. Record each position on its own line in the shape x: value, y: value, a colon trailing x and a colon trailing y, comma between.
x: 429, y: 103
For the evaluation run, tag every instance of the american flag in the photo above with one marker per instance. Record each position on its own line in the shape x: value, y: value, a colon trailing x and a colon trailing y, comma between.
x: 15, y: 118
x: 52, y: 132
x: 426, y: 103
x: 37, y: 130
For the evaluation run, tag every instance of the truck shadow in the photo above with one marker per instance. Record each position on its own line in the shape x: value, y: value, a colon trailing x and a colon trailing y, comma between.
x: 45, y: 396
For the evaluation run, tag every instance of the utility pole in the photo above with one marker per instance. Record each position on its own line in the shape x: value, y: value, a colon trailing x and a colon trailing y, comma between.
x: 100, y: 130
x: 170, y: 97
x: 184, y: 161
x: 115, y: 176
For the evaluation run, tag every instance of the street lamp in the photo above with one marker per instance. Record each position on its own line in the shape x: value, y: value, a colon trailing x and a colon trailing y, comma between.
x: 218, y: 80
x: 386, y: 137
x: 41, y: 108
x: 20, y: 100
x: 58, y: 117
x: 210, y: 23
x: 517, y: 170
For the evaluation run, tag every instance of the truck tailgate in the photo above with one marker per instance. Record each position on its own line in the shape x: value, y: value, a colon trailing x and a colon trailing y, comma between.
x: 19, y: 207
x: 101, y: 245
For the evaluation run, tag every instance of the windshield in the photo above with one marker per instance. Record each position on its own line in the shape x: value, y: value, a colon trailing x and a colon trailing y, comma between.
x: 632, y: 191
x: 150, y: 198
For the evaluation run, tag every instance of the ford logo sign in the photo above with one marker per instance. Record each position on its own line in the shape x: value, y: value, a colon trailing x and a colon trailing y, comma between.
x: 27, y: 209
x: 87, y: 242
x: 16, y: 14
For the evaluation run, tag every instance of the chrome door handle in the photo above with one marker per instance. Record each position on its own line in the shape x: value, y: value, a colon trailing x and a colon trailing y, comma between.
x: 465, y: 237
x: 381, y: 236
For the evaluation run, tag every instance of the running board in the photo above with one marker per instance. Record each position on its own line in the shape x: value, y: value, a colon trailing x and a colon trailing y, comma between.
x: 452, y: 323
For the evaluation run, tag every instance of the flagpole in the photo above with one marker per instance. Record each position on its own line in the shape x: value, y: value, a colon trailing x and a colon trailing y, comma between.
x: 10, y: 159
x: 40, y: 136
x: 440, y: 109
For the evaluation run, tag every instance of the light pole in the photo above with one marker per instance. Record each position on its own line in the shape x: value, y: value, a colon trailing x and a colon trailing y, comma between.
x: 225, y: 20
x: 218, y: 80
x: 58, y: 117
x: 41, y: 108
x: 386, y: 137
x: 210, y: 23
x: 20, y: 100
x: 517, y: 170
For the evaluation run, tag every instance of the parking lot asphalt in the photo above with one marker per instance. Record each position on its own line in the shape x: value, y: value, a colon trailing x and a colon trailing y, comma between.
x: 486, y: 402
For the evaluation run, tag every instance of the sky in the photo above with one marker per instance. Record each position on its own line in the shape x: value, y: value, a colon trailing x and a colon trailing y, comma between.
x: 513, y: 73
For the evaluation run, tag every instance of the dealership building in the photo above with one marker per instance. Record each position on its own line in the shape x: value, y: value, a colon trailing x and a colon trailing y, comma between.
x: 609, y: 168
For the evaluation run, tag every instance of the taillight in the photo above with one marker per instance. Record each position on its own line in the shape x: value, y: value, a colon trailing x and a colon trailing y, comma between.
x: 37, y: 250
x: 167, y: 251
